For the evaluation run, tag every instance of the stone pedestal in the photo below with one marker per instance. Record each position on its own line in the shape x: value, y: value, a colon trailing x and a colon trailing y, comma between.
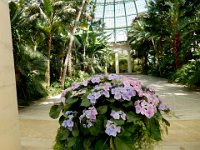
x: 9, y: 121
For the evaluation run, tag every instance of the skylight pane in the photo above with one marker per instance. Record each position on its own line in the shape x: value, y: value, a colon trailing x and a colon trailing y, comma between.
x: 115, y: 18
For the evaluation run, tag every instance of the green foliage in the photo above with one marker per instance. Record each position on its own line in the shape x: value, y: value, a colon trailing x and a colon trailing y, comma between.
x: 78, y: 76
x: 54, y: 89
x: 92, y: 53
x: 29, y: 64
x: 84, y: 122
x: 123, y: 66
x: 189, y: 73
x: 165, y: 36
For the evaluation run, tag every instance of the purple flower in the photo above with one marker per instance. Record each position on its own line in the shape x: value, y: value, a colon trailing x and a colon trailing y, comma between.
x: 91, y: 113
x: 105, y: 93
x: 96, y: 78
x: 65, y: 91
x: 113, y: 77
x: 145, y: 108
x: 68, y: 113
x: 68, y: 124
x: 115, y: 114
x: 123, y: 115
x: 84, y: 83
x: 92, y: 98
x: 82, y: 92
x: 151, y: 90
x: 112, y: 129
x: 103, y: 86
x: 149, y: 113
x: 163, y: 107
x: 123, y: 92
x: 118, y: 114
x: 97, y: 95
x: 75, y: 86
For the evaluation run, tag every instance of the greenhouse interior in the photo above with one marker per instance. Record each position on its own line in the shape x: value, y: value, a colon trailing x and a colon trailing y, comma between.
x: 100, y: 74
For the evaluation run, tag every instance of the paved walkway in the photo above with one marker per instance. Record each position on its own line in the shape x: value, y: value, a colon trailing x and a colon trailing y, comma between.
x: 38, y: 130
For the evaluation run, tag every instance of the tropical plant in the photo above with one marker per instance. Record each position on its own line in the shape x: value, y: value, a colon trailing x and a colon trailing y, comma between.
x: 166, y: 27
x: 92, y: 52
x: 49, y: 16
x: 68, y: 62
x: 29, y: 64
x: 189, y: 73
x: 114, y: 112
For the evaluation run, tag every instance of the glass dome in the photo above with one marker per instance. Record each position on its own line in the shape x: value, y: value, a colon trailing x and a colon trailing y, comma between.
x: 117, y: 15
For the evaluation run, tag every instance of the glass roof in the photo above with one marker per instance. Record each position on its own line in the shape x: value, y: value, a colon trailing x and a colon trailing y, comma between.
x: 117, y: 16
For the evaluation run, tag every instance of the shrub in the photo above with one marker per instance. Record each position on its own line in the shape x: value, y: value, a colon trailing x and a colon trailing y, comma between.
x: 108, y: 112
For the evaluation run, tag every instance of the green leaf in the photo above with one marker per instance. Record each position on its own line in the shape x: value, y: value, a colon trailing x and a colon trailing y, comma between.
x: 85, y: 102
x: 127, y: 104
x: 126, y: 133
x: 102, y: 109
x: 87, y: 143
x: 154, y: 128
x: 111, y: 100
x: 100, y: 145
x: 71, y: 100
x: 166, y: 122
x: 132, y: 117
x: 112, y: 146
x: 75, y: 131
x: 123, y: 143
x: 62, y: 134
x: 48, y: 7
x: 130, y: 128
x: 71, y: 141
x: 55, y: 111
x: 96, y: 128
x: 118, y: 121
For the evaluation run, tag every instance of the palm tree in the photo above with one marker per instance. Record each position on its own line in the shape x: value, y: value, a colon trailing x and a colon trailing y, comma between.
x: 51, y: 15
x: 67, y: 62
x: 169, y: 25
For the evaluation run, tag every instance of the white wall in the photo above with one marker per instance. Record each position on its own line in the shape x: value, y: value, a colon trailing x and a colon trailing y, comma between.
x: 9, y: 122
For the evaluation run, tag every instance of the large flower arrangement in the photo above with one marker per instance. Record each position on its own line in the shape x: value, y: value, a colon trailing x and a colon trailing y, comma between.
x: 109, y: 112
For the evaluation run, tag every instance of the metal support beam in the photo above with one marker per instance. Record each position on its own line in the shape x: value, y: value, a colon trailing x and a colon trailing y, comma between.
x: 135, y: 7
x: 125, y: 17
x: 104, y: 8
x: 115, y: 39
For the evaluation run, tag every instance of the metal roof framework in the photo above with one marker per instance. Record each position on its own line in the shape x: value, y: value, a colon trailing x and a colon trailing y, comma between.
x: 117, y: 16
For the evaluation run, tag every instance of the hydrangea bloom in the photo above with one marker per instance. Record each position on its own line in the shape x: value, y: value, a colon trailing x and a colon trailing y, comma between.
x: 118, y: 114
x: 163, y: 107
x: 101, y: 107
x: 96, y: 78
x: 114, y: 77
x: 68, y: 124
x: 90, y: 116
x: 123, y: 93
x: 145, y: 108
x: 93, y: 97
x: 84, y: 83
x: 112, y: 129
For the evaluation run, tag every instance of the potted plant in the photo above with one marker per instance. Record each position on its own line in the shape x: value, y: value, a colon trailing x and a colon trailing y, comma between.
x: 109, y: 112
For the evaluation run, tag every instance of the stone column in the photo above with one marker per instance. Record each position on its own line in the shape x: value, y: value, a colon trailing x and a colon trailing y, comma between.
x: 9, y: 121
x: 129, y: 61
x: 116, y: 62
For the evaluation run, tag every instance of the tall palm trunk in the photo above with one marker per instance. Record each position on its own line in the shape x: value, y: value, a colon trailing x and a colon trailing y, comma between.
x: 47, y: 74
x: 177, y: 43
x: 67, y: 63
